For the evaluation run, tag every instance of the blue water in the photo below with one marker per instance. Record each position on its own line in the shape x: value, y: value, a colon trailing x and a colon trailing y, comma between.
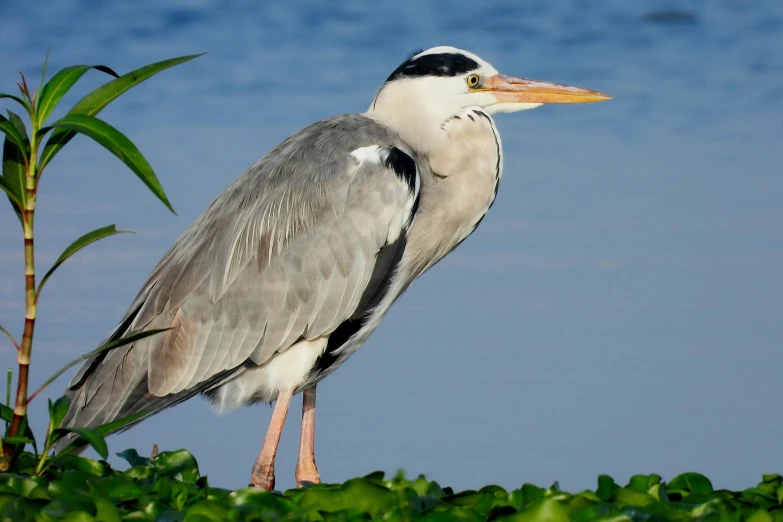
x: 619, y: 311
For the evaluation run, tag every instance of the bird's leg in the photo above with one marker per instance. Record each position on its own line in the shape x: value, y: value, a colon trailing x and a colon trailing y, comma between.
x: 306, y: 471
x: 263, y: 474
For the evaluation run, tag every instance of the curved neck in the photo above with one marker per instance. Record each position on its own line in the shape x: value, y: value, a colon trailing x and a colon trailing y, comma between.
x: 407, y: 107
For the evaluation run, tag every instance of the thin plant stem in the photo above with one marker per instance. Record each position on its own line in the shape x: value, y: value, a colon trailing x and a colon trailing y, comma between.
x: 28, y: 217
x: 8, y: 387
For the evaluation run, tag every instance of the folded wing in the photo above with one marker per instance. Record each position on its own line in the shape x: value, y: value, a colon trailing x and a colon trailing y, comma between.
x: 289, y: 251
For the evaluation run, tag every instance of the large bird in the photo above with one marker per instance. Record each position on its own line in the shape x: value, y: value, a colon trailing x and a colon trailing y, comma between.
x: 290, y: 270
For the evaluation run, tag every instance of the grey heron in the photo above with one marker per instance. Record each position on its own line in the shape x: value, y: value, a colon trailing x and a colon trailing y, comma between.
x: 293, y: 266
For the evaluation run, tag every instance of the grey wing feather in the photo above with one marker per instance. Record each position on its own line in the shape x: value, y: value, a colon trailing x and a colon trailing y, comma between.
x: 284, y: 253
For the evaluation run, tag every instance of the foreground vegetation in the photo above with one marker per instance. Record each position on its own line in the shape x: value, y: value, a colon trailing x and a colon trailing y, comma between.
x: 30, y: 142
x: 169, y: 487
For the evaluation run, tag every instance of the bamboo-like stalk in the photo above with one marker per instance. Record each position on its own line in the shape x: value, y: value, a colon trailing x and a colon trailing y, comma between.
x: 28, y: 217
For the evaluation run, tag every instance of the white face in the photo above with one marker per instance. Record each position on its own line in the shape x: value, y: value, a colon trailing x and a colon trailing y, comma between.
x: 448, y: 95
x: 445, y: 80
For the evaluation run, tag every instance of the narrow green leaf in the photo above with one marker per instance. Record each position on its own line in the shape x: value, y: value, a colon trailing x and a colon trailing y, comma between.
x: 13, y: 175
x: 6, y: 413
x: 86, y: 239
x: 116, y: 425
x: 10, y: 338
x: 111, y: 345
x: 17, y: 99
x: 94, y: 102
x: 8, y: 381
x: 45, y: 65
x: 17, y: 439
x: 90, y: 436
x: 27, y: 431
x: 9, y: 191
x: 59, y: 85
x: 119, y: 145
x: 13, y: 134
x: 19, y: 124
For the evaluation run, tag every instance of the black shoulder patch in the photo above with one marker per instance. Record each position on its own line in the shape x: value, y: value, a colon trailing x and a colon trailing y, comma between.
x: 386, y: 264
x: 402, y: 165
x: 444, y: 64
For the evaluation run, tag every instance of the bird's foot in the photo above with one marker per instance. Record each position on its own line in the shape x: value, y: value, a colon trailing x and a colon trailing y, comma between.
x: 263, y: 476
x: 307, y: 472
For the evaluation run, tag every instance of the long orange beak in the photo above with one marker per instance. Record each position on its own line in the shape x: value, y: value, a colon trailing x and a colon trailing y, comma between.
x: 509, y: 89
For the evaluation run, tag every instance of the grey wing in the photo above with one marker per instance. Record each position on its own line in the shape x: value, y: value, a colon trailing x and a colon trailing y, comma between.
x: 289, y: 251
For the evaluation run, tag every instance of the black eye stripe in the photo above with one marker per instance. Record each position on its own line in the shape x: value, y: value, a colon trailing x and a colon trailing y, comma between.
x: 445, y: 64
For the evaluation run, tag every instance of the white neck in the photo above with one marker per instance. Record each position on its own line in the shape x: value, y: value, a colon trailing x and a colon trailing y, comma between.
x: 409, y: 108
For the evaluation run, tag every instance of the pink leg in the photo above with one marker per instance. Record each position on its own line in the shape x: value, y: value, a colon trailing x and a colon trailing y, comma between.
x: 306, y: 471
x: 263, y: 474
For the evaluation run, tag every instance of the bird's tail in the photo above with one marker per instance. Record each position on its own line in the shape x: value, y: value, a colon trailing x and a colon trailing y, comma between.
x: 114, y: 385
x: 110, y: 387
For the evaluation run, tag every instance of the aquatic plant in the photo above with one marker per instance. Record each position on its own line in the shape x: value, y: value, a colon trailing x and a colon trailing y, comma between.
x: 26, y: 155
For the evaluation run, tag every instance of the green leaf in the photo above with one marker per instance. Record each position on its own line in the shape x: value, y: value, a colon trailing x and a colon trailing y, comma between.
x: 606, y: 487
x: 58, y: 410
x: 59, y: 85
x: 17, y: 99
x: 111, y: 345
x: 9, y: 191
x: 358, y: 493
x: 548, y: 510
x: 658, y: 491
x: 90, y: 466
x: 8, y: 334
x: 694, y: 482
x: 132, y: 457
x: 13, y: 175
x: 17, y: 439
x: 180, y: 464
x: 12, y: 133
x: 89, y: 435
x: 119, y: 145
x: 107, y: 511
x: 639, y: 483
x: 23, y: 486
x: 760, y: 516
x: 116, y: 425
x: 7, y: 414
x: 94, y: 102
x: 632, y: 497
x: 9, y: 378
x: 525, y: 495
x: 205, y: 511
x: 45, y: 66
x: 27, y: 431
x: 86, y: 239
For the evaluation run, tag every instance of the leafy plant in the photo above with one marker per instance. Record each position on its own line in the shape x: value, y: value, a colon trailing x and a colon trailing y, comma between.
x: 169, y: 487
x: 26, y: 154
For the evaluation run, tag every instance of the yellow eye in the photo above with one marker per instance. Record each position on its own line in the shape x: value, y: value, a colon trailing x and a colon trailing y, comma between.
x: 472, y: 80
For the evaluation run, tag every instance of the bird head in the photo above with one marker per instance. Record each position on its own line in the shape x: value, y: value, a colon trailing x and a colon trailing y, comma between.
x: 453, y: 79
x: 433, y: 85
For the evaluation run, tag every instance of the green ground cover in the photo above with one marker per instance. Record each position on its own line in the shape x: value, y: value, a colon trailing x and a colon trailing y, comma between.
x: 170, y: 488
